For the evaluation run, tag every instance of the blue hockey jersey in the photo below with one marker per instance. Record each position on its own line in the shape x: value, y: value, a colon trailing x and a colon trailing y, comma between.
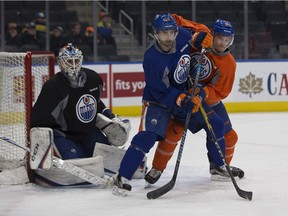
x: 166, y: 73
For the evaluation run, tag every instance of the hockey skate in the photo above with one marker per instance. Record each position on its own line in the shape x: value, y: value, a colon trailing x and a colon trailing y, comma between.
x: 152, y: 176
x: 120, y: 187
x: 221, y: 174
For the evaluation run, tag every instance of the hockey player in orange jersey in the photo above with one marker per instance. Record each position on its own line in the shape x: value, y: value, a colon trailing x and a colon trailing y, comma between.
x: 217, y: 75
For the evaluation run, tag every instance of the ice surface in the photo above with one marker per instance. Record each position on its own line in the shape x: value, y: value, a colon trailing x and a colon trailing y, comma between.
x: 261, y: 152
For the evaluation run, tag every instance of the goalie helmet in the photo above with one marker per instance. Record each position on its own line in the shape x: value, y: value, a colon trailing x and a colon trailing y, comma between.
x: 224, y: 28
x: 70, y: 60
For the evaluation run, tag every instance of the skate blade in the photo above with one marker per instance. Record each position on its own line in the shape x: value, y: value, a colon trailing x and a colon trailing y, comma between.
x: 220, y: 178
x: 147, y: 185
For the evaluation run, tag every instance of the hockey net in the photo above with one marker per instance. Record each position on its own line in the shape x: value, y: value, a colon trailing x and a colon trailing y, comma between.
x: 21, y: 78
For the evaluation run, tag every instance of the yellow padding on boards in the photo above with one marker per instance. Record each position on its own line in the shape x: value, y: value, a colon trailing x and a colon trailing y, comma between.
x: 231, y: 108
x: 274, y: 106
x: 127, y: 110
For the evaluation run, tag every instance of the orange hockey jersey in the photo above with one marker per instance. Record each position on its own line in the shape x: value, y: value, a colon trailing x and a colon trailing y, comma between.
x: 190, y: 24
x: 218, y: 70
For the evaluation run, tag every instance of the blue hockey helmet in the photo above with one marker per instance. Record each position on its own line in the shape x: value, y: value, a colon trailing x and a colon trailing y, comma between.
x: 223, y: 27
x: 163, y: 22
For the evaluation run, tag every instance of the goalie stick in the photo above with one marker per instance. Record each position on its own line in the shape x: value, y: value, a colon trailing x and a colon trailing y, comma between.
x: 244, y: 194
x: 68, y: 167
x: 169, y: 186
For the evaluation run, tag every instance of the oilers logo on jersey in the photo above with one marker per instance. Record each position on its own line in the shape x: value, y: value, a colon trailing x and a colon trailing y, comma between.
x: 86, y: 108
x: 206, y: 68
x: 182, y: 69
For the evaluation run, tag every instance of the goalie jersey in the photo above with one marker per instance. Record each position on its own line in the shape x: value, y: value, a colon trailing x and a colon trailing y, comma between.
x: 59, y: 103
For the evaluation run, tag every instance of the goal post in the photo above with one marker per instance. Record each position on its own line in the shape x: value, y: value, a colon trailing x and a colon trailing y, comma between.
x: 22, y: 76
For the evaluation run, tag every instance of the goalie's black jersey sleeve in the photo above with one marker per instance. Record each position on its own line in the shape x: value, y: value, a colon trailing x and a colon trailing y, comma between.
x: 70, y: 110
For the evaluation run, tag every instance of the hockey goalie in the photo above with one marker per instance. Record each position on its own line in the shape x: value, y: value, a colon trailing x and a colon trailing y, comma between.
x: 70, y: 121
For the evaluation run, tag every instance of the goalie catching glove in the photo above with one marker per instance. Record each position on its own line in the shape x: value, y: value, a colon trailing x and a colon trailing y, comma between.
x: 116, y: 130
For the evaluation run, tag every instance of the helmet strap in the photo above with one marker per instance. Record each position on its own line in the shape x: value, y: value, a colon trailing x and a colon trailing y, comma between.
x: 162, y: 45
x: 230, y: 43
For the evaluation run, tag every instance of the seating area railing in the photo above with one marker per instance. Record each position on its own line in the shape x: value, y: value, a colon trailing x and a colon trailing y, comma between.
x: 263, y: 35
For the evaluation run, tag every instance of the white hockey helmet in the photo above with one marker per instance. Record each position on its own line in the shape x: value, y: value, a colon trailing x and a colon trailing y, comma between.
x: 70, y: 60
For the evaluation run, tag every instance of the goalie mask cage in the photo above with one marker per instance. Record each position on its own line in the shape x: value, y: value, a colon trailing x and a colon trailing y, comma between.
x: 22, y: 76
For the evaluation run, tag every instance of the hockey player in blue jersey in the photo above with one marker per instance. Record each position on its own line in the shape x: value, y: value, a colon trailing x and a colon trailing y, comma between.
x: 166, y: 67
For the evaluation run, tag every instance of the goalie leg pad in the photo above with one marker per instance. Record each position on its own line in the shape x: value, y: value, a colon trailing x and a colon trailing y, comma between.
x: 112, y: 157
x: 58, y: 177
x: 116, y: 130
x: 41, y: 148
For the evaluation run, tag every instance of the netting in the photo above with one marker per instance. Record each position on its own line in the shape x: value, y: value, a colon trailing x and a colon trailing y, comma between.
x: 12, y: 108
x: 14, y: 125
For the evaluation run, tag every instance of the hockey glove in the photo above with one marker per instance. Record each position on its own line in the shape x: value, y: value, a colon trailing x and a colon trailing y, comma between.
x: 202, y: 39
x: 188, y: 103
x: 201, y: 92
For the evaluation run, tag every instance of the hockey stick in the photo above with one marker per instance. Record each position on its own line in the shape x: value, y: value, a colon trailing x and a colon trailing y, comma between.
x: 241, y: 193
x: 169, y: 186
x: 68, y: 167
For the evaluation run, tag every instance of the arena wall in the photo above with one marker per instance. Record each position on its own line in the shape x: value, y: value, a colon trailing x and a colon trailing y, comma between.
x: 259, y: 86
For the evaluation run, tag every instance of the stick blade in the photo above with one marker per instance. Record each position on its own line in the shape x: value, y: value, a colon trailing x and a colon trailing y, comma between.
x: 161, y: 191
x: 245, y: 194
